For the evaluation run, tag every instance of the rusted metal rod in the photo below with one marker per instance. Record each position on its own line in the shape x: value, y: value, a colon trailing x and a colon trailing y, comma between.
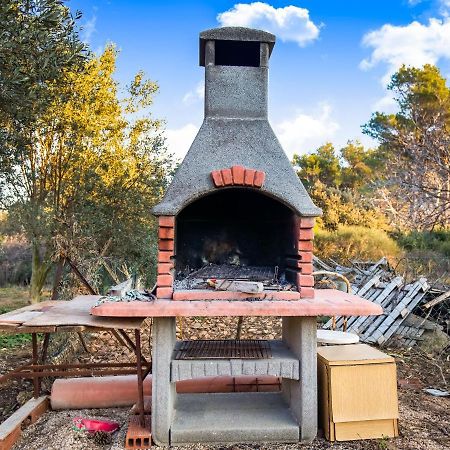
x: 137, y: 336
x: 45, y: 347
x: 130, y: 342
x: 120, y: 340
x: 72, y: 373
x: 81, y: 365
x: 80, y: 276
x: 36, y: 381
x: 8, y: 375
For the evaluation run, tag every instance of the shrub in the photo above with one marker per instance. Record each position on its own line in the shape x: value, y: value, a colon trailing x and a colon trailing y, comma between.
x: 15, y: 261
x: 355, y: 242
x: 438, y: 241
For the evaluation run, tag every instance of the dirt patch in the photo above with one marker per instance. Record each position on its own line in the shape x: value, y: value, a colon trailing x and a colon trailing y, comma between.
x: 14, y: 392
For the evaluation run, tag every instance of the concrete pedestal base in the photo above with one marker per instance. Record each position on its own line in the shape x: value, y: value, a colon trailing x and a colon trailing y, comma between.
x: 236, y: 417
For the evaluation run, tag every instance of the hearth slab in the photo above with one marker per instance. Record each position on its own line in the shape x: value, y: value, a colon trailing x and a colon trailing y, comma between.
x: 326, y: 302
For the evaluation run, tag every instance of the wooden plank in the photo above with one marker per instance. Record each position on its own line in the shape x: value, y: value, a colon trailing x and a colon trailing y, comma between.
x: 249, y: 287
x: 359, y: 324
x: 389, y: 326
x: 353, y: 354
x: 401, y: 297
x: 324, y: 398
x: 77, y: 313
x: 368, y: 429
x: 387, y: 304
x: 382, y: 299
x: 23, y: 316
x: 437, y: 300
x: 364, y: 392
x: 13, y: 316
x: 11, y: 427
x: 372, y: 282
x: 371, y: 296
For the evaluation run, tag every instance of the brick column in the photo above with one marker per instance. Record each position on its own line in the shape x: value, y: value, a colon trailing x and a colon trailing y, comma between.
x: 300, y: 269
x: 166, y: 246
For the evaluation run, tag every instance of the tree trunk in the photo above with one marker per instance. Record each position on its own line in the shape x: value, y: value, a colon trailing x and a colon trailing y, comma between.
x: 39, y: 272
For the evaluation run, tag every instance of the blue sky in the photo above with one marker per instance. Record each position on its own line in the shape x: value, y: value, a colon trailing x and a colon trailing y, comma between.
x: 328, y: 70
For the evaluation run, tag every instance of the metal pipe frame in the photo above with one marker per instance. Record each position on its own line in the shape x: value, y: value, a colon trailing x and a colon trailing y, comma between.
x: 35, y: 371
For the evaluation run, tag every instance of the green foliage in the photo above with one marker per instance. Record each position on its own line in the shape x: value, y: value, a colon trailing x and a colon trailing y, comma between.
x: 14, y: 340
x: 38, y: 41
x: 339, y: 183
x: 415, y: 143
x: 85, y: 167
x: 355, y: 242
x: 437, y: 241
x: 322, y: 165
x: 344, y: 207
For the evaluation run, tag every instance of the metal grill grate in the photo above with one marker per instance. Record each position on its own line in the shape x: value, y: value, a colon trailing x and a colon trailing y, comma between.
x: 231, y: 272
x: 224, y: 349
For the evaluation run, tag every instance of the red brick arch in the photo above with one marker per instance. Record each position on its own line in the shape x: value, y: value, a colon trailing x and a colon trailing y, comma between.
x: 238, y: 176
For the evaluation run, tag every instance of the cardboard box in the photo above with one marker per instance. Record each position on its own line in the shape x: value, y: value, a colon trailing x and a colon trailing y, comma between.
x: 357, y: 393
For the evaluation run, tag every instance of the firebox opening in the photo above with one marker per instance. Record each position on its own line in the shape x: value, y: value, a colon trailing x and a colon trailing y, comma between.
x: 237, y: 53
x: 235, y: 233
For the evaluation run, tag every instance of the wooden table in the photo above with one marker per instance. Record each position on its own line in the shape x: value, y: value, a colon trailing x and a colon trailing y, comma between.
x: 72, y: 316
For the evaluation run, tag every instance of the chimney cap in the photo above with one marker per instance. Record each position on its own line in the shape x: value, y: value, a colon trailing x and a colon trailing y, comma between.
x: 234, y: 34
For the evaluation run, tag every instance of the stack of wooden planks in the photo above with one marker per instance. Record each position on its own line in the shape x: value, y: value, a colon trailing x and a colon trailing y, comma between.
x: 405, y: 317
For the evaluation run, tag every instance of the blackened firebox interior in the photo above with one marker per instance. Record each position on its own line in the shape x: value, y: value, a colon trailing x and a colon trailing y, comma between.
x: 237, y: 53
x: 238, y: 227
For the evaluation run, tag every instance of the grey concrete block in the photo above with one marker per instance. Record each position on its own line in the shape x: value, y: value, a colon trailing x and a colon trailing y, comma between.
x: 222, y: 143
x: 233, y: 418
x: 283, y: 363
x: 233, y: 34
x: 300, y: 334
x: 163, y: 391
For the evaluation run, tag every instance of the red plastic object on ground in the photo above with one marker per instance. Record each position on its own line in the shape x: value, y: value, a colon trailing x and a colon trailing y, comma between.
x: 92, y: 426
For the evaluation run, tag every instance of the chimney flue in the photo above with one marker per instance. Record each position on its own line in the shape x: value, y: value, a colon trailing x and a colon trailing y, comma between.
x: 236, y: 71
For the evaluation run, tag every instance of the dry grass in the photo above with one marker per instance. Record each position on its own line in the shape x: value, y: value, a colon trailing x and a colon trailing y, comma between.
x: 13, y: 297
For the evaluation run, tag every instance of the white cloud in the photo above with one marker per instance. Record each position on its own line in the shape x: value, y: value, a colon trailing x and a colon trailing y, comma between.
x: 306, y: 132
x: 386, y: 104
x: 180, y: 139
x: 198, y: 93
x: 290, y: 23
x: 88, y: 29
x: 414, y: 44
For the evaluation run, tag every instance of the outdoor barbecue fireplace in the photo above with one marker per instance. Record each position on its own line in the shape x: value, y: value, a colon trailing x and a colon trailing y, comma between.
x: 235, y: 208
x: 236, y: 211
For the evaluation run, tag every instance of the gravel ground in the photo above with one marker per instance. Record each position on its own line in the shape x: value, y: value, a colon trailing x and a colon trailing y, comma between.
x: 424, y: 420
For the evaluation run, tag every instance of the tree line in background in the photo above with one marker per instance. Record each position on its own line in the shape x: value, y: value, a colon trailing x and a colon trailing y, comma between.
x: 402, y: 187
x: 82, y: 161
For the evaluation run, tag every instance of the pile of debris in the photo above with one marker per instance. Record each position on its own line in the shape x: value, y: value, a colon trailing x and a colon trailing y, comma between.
x: 412, y: 309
